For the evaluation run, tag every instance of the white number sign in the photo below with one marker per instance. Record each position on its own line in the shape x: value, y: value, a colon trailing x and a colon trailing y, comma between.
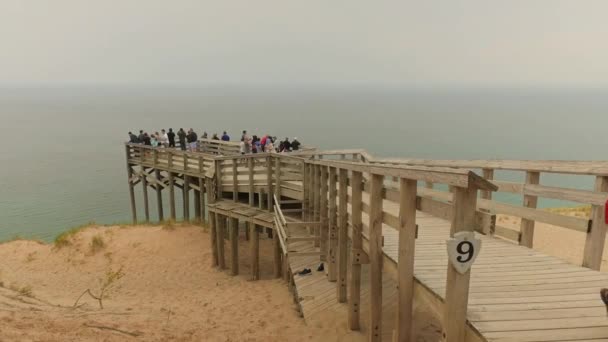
x: 463, y: 249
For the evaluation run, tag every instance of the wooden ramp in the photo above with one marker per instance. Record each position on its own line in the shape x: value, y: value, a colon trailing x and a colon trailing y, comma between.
x: 516, y: 293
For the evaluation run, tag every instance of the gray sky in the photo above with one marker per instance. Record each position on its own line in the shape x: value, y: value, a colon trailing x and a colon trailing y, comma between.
x: 477, y: 42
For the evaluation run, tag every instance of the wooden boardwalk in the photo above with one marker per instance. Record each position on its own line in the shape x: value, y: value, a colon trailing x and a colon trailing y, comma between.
x: 515, y: 293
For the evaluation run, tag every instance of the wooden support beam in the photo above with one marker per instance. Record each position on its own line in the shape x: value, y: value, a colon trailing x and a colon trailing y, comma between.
x: 234, y: 245
x: 131, y: 186
x: 172, y: 196
x: 323, y: 214
x: 305, y: 194
x: 527, y: 226
x: 489, y: 175
x: 144, y: 182
x: 407, y: 245
x: 596, y: 237
x: 197, y: 204
x: 342, y: 234
x: 186, y: 196
x: 277, y: 255
x: 255, y: 251
x: 354, y: 303
x: 457, y: 285
x: 218, y: 177
x: 213, y: 239
x: 332, y: 271
x: 220, y: 225
x: 159, y: 197
x: 375, y: 256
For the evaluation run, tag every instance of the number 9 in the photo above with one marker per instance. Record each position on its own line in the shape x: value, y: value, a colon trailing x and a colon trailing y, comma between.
x: 467, y: 254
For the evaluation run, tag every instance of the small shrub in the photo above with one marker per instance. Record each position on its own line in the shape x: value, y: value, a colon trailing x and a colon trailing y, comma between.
x: 64, y: 239
x: 97, y: 244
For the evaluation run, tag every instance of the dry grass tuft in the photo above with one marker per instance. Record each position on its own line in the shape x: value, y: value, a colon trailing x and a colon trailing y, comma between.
x: 65, y: 239
x: 97, y: 244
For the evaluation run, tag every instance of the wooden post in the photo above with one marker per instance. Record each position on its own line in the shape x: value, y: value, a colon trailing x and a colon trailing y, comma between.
x: 457, y: 285
x: 235, y: 181
x: 277, y: 177
x: 186, y: 195
x: 172, y: 196
x: 375, y: 256
x: 201, y: 201
x: 159, y: 196
x: 357, y: 250
x: 255, y: 251
x: 144, y: 182
x: 489, y: 175
x: 407, y: 245
x: 342, y: 234
x: 594, y: 244
x: 332, y: 226
x: 234, y: 245
x: 269, y: 182
x: 527, y: 226
x: 251, y: 186
x: 131, y: 188
x: 218, y: 177
x: 277, y: 255
x: 212, y: 225
x: 323, y: 213
x: 316, y: 198
x: 220, y: 225
x: 305, y: 194
x: 197, y: 205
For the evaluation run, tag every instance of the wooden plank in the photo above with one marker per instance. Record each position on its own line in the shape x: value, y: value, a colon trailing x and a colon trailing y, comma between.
x: 251, y: 186
x: 277, y: 255
x: 527, y: 226
x: 144, y: 182
x: 332, y: 227
x: 269, y: 189
x: 201, y: 201
x: 457, y: 285
x: 131, y: 186
x: 218, y: 177
x: 277, y: 180
x: 342, y: 254
x: 407, y: 245
x: 234, y: 246
x: 235, y: 181
x: 159, y: 197
x: 375, y: 255
x: 186, y: 198
x: 357, y: 244
x: 596, y: 237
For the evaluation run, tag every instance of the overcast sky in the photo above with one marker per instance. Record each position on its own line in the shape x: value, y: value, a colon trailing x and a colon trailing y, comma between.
x: 477, y: 42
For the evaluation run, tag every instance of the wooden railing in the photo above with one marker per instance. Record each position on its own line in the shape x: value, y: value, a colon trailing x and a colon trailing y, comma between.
x: 594, y: 226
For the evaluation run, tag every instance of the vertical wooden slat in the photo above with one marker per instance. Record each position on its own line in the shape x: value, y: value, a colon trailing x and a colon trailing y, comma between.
x: 172, y: 196
x: 354, y: 301
x: 332, y: 227
x: 159, y: 196
x: 527, y: 226
x: 316, y: 199
x: 144, y: 182
x: 342, y: 234
x: 255, y: 251
x: 375, y: 256
x: 457, y: 285
x: 235, y: 181
x: 186, y: 195
x: 201, y: 201
x: 489, y: 175
x: 407, y: 244
x: 220, y: 226
x: 269, y: 189
x: 218, y: 177
x: 234, y: 245
x: 304, y: 191
x: 324, y: 233
x: 596, y: 237
x: 251, y: 186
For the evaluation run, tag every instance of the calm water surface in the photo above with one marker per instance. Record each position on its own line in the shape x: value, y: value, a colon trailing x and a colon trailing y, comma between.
x: 63, y: 159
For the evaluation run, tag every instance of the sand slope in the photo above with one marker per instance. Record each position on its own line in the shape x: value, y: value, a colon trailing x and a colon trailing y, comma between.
x: 169, y: 292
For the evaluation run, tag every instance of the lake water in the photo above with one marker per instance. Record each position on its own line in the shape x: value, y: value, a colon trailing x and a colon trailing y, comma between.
x: 63, y: 163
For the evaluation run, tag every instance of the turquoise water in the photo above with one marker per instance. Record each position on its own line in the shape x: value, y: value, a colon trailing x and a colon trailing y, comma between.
x: 63, y: 160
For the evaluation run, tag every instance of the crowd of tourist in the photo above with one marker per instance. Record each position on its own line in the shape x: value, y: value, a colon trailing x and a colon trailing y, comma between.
x: 189, y: 141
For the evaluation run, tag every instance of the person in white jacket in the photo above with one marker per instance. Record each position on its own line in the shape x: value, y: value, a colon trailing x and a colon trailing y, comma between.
x: 164, y: 138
